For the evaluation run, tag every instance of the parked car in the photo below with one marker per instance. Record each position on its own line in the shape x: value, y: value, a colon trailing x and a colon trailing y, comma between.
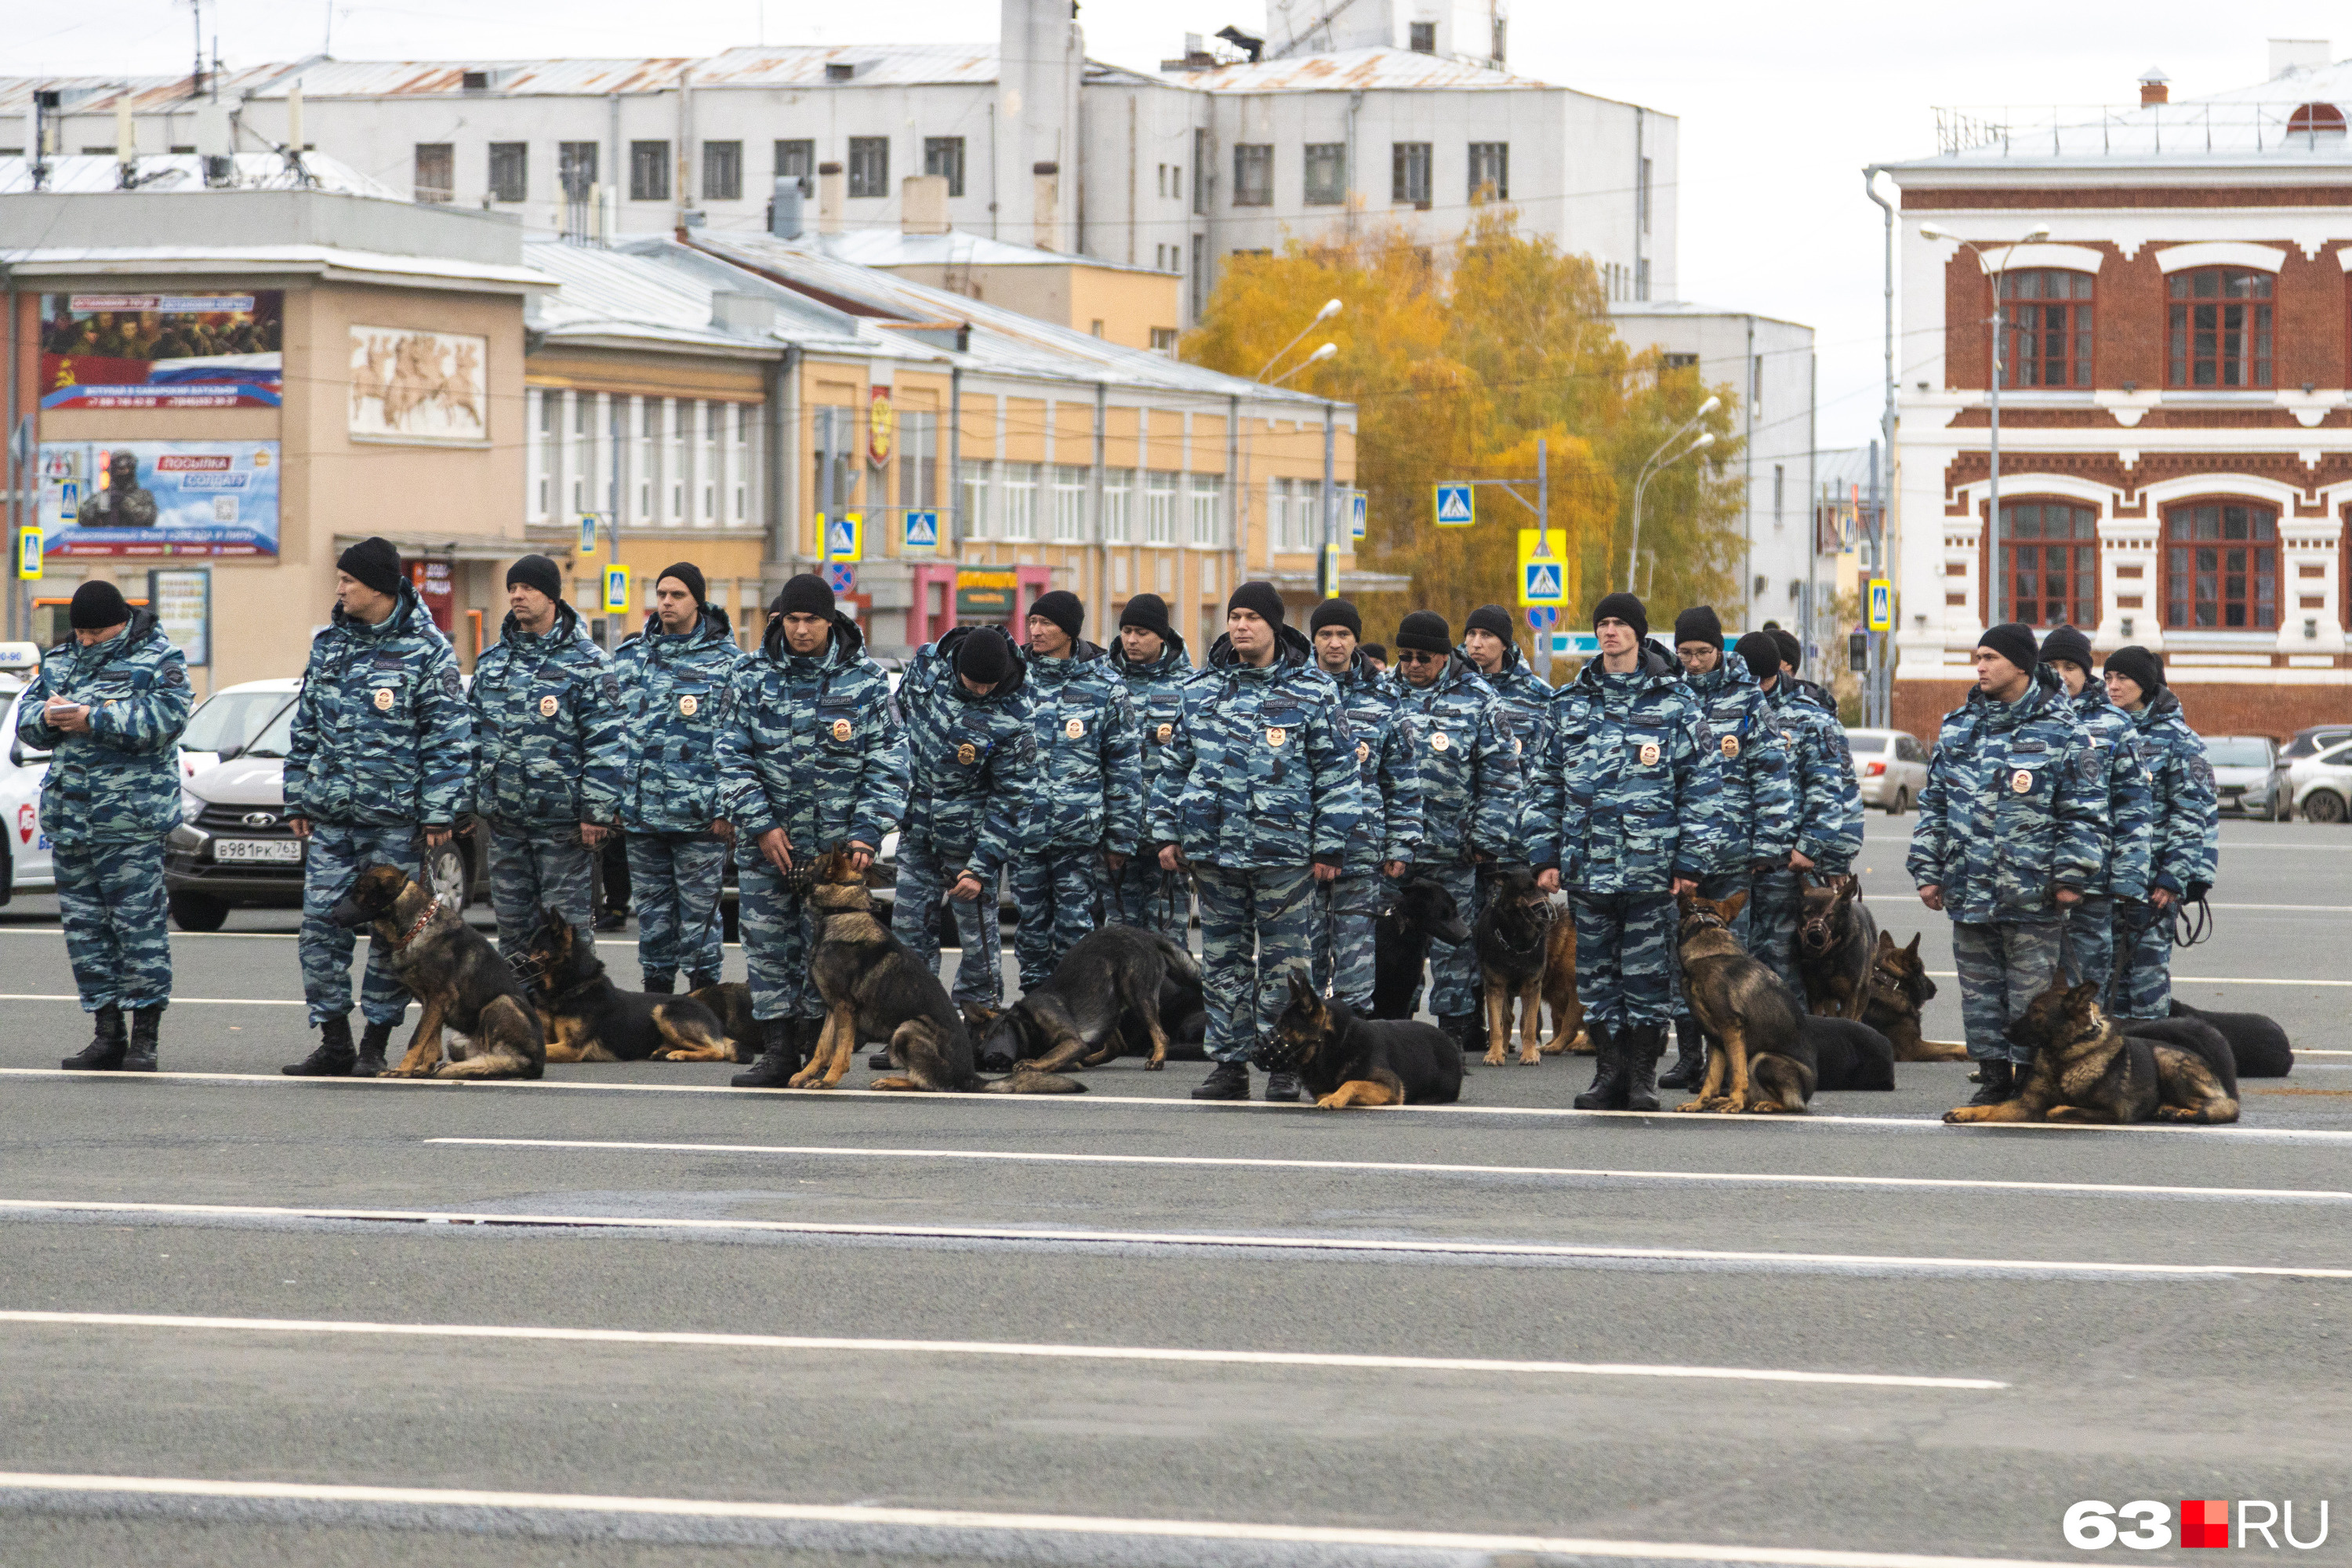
x: 2313, y: 738
x: 2321, y: 786
x: 2249, y: 776
x: 226, y: 723
x: 1890, y: 765
x: 24, y: 864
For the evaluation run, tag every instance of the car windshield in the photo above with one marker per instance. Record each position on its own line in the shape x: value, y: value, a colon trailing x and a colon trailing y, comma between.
x: 275, y: 737
x: 2236, y: 753
x: 231, y: 719
x: 2311, y: 744
x: 1868, y: 742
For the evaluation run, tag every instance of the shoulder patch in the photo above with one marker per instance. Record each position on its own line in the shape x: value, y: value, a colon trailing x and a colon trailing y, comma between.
x: 2091, y: 764
x: 175, y: 675
x: 451, y: 686
x: 2201, y: 771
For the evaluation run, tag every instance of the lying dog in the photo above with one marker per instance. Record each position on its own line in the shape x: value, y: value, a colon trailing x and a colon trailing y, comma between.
x: 587, y: 1018
x: 1835, y: 946
x: 2257, y: 1045
x: 456, y: 976
x: 1114, y: 973
x: 1346, y: 1062
x: 1514, y: 943
x: 1899, y: 988
x: 731, y: 1000
x: 1848, y: 1055
x: 1183, y: 1022
x: 1419, y: 911
x: 1759, y: 1060
x: 2086, y: 1069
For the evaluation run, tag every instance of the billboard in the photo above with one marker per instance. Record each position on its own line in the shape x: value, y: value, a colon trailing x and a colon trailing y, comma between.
x: 426, y: 387
x: 159, y: 498
x: 162, y: 350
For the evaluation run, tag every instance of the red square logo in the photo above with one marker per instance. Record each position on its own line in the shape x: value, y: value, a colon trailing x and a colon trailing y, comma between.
x: 2205, y: 1523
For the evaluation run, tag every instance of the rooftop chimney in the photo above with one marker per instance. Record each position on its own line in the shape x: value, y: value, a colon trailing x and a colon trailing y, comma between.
x: 2153, y: 87
x: 744, y: 315
x: 2298, y: 54
x: 1049, y: 206
x: 923, y: 204
x: 785, y: 209
x: 832, y: 191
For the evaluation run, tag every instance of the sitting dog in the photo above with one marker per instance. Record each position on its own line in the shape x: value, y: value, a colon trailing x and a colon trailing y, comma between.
x: 1834, y: 948
x: 1899, y: 988
x: 1514, y: 943
x: 1568, y: 1031
x: 1419, y: 911
x: 2086, y: 1069
x: 1759, y: 1060
x: 2257, y: 1045
x: 456, y: 976
x: 1074, y: 1017
x: 1346, y: 1062
x: 1848, y: 1055
x: 587, y: 1018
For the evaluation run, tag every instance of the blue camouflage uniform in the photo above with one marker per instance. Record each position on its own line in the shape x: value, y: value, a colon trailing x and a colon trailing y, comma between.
x: 2010, y: 814
x: 2184, y: 848
x: 810, y: 743
x: 973, y: 767
x: 548, y: 754
x: 1259, y: 783
x: 2127, y: 818
x: 1757, y: 809
x: 1527, y: 698
x: 672, y: 687
x: 1627, y: 798
x: 1088, y: 800
x: 382, y: 745
x: 1389, y: 828
x: 108, y: 798
x: 1828, y: 826
x: 1470, y: 772
x: 1145, y: 895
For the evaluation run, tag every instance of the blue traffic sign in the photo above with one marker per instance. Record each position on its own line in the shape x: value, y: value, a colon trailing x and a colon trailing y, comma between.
x: 1541, y: 616
x: 844, y: 537
x: 1544, y: 584
x: 921, y: 531
x: 1357, y: 515
x: 841, y: 579
x: 1455, y: 509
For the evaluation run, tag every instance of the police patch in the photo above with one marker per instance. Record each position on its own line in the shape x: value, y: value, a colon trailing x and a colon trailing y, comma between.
x: 841, y: 729
x: 1276, y: 736
x: 1166, y: 730
x: 2020, y: 781
x: 1517, y: 745
x: 176, y: 675
x: 547, y: 706
x: 1363, y: 750
x: 383, y: 699
x: 450, y: 685
x: 1074, y: 729
x: 1648, y: 754
x: 1438, y: 742
x: 1731, y: 747
x: 690, y: 706
x: 965, y: 753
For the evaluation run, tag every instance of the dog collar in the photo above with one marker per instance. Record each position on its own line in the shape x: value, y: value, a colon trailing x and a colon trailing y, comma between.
x: 413, y: 932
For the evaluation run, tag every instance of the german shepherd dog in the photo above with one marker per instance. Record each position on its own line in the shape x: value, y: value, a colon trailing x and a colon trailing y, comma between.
x: 731, y: 1000
x: 1527, y: 955
x: 1346, y: 1062
x: 1834, y: 946
x: 587, y: 1018
x: 1760, y: 1060
x: 2086, y: 1069
x: 1899, y: 988
x: 1421, y: 911
x: 456, y: 974
x: 1847, y: 1054
x: 2257, y: 1043
x: 1073, y: 1019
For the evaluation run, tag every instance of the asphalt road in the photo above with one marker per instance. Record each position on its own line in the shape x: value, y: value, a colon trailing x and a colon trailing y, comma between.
x: 630, y: 1316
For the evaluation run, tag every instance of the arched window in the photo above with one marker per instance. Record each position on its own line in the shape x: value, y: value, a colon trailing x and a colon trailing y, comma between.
x: 2219, y: 331
x: 2046, y: 312
x: 2315, y: 119
x: 2220, y: 567
x: 2049, y: 564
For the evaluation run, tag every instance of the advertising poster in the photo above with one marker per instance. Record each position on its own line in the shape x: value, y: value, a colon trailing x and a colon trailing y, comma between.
x: 162, y: 351
x: 436, y: 590
x: 182, y: 599
x: 159, y: 498
x: 426, y: 387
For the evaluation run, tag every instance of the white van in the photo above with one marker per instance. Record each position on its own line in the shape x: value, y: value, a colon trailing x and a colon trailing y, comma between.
x: 25, y: 862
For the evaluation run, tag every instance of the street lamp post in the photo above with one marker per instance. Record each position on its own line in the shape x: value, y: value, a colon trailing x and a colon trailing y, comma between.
x: 1330, y: 415
x: 1650, y: 470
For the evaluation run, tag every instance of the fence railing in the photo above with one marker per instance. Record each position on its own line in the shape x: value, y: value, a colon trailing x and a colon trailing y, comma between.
x: 2077, y: 130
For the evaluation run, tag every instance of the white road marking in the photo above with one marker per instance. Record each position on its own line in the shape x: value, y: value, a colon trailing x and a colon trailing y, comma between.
x: 1406, y: 1167
x: 987, y: 1348
x: 1996, y: 1265
x: 176, y: 1001
x: 976, y: 1520
x: 2195, y: 979
x: 2290, y: 908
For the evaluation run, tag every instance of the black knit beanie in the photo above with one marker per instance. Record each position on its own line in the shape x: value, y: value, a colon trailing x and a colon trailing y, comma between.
x: 1149, y: 612
x: 2070, y: 644
x: 688, y: 573
x: 2014, y: 643
x: 1762, y: 653
x: 1792, y: 652
x: 985, y: 656
x: 2141, y: 667
x: 1261, y: 598
x: 1337, y: 613
x: 805, y: 595
x: 532, y: 570
x: 373, y: 562
x: 1624, y: 608
x: 1491, y: 618
x: 1424, y: 631
x: 1698, y: 624
x: 96, y: 606
x: 1062, y: 607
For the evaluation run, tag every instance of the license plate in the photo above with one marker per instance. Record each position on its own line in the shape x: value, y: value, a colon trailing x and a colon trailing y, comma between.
x: 286, y: 851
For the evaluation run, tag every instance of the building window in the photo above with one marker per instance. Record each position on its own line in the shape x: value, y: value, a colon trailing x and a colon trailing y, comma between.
x: 649, y: 170
x: 740, y: 462
x: 542, y: 450
x: 1208, y: 509
x: 1679, y: 361
x: 2220, y: 567
x: 1277, y: 516
x: 1163, y: 341
x: 869, y: 166
x: 1490, y: 170
x: 1118, y: 493
x: 509, y: 171
x: 1642, y: 195
x: 1069, y: 504
x: 919, y: 461
x: 2049, y: 564
x: 2219, y: 331
x: 437, y: 172
x: 1641, y: 279
x: 575, y: 168
x: 1201, y: 149
x: 943, y: 156
x: 722, y: 171
x: 1756, y: 385
x: 649, y: 447
x: 713, y: 418
x: 1779, y: 489
x: 1199, y: 272
x: 1502, y: 38
x: 1421, y: 37
x: 2047, y: 315
x: 1409, y: 173
x: 674, y: 464
x: 1160, y: 507
x: 1017, y: 499
x: 1253, y: 174
x: 797, y: 161
x: 972, y: 478
x: 1327, y: 174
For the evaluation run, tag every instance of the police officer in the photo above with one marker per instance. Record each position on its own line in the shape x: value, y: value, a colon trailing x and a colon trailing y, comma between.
x: 1087, y: 812
x: 107, y: 704
x: 812, y: 758
x: 1488, y: 644
x: 1792, y: 664
x: 2008, y: 838
x: 1151, y: 658
x: 2126, y: 818
x: 673, y: 678
x: 1258, y: 795
x: 1758, y: 806
x: 548, y: 754
x: 2185, y: 827
x: 383, y: 748
x: 1628, y: 795
x: 1388, y: 831
x: 1829, y: 808
x: 973, y: 757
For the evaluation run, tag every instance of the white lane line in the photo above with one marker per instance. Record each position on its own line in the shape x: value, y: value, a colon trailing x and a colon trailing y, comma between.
x: 1996, y: 1266
x: 973, y: 1521
x: 2290, y: 908
x: 2195, y: 979
x: 176, y: 1001
x: 1404, y: 1167
x: 988, y: 1348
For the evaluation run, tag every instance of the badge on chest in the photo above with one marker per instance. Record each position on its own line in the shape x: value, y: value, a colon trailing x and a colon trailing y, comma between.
x: 1277, y: 736
x: 2020, y: 782
x: 547, y: 706
x: 1648, y: 754
x: 383, y: 699
x: 1075, y: 730
x: 687, y: 706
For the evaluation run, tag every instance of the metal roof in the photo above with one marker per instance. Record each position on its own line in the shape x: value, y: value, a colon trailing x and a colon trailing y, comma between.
x: 322, y: 78
x: 1357, y: 70
x: 874, y: 65
x: 1692, y: 309
x: 2295, y: 118
x: 659, y: 293
x: 150, y: 94
x: 183, y: 171
x: 894, y: 247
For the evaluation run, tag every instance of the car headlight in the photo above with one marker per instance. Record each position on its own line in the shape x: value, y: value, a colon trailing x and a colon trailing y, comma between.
x: 191, y: 806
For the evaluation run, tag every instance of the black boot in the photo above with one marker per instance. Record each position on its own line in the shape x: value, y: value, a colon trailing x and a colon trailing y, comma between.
x: 1690, y: 1070
x: 1996, y: 1083
x: 140, y: 1058
x: 334, y: 1055
x: 1282, y: 1085
x: 104, y: 1052
x: 779, y: 1055
x: 698, y: 982
x: 1608, y: 1090
x: 1638, y: 1060
x: 1226, y: 1080
x: 373, y: 1039
x: 664, y: 986
x: 1464, y: 1029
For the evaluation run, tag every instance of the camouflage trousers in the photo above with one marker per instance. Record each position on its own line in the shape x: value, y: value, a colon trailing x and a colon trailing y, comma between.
x: 1716, y: 887
x: 1344, y: 913
x: 1454, y: 984
x: 1054, y: 894
x: 2143, y: 933
x: 336, y: 853
x: 1256, y: 930
x: 1774, y: 913
x: 2002, y: 967
x: 111, y: 898
x: 1151, y: 899
x: 1624, y: 957
x: 676, y: 880
x: 778, y: 939
x: 923, y: 883
x: 537, y: 867
x: 2090, y: 950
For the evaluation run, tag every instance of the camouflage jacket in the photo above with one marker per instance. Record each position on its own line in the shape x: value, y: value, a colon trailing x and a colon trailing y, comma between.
x: 810, y: 743
x: 2185, y: 846
x: 1388, y: 768
x: 671, y: 690
x: 1828, y: 796
x: 972, y: 761
x: 1155, y: 691
x: 1527, y: 699
x: 2127, y: 820
x: 120, y: 781
x: 1629, y: 795
x: 2010, y: 810
x: 1260, y: 772
x: 1470, y: 772
x: 1090, y: 757
x: 382, y: 737
x: 1759, y: 808
x: 548, y: 742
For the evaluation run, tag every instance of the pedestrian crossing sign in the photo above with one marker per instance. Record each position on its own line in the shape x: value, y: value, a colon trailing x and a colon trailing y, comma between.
x: 920, y: 531
x: 616, y: 590
x: 1543, y: 576
x: 1454, y: 507
x: 1881, y: 604
x: 587, y: 533
x: 1356, y: 515
x: 28, y: 555
x: 844, y: 537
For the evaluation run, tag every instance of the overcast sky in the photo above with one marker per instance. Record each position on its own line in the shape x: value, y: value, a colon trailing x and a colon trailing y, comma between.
x: 1780, y: 105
